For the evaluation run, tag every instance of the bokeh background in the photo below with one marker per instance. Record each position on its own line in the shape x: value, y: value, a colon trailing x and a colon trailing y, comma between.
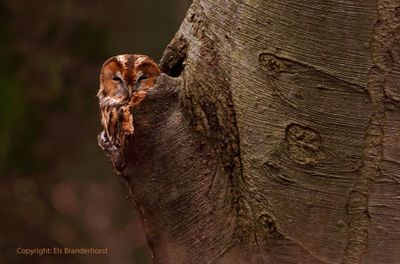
x: 57, y: 189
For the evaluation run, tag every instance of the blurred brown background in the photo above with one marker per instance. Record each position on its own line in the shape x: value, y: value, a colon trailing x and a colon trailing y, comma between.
x: 56, y: 188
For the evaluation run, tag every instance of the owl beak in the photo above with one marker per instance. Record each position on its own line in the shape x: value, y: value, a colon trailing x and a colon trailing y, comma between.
x: 130, y: 91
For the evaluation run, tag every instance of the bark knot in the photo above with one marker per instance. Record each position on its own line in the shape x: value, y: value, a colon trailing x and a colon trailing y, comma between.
x: 304, y: 144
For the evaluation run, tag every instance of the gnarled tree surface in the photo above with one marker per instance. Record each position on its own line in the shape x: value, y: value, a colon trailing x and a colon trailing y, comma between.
x: 276, y: 136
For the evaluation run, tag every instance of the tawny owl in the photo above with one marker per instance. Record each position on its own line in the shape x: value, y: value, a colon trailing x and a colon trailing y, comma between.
x: 124, y: 80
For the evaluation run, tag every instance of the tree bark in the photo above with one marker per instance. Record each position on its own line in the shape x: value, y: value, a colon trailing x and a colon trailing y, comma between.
x: 274, y: 135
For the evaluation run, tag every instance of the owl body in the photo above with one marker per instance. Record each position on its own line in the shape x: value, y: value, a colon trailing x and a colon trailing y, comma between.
x: 124, y: 80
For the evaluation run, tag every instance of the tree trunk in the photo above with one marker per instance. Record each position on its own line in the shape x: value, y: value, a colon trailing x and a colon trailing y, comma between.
x: 276, y: 136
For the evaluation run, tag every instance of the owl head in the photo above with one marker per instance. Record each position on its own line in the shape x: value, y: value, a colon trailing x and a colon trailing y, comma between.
x: 123, y: 75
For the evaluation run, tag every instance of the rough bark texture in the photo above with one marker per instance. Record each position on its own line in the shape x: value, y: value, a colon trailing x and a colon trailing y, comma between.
x: 276, y: 140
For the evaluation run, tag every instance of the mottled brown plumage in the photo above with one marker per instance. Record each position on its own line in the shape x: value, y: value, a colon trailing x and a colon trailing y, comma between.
x: 124, y: 80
